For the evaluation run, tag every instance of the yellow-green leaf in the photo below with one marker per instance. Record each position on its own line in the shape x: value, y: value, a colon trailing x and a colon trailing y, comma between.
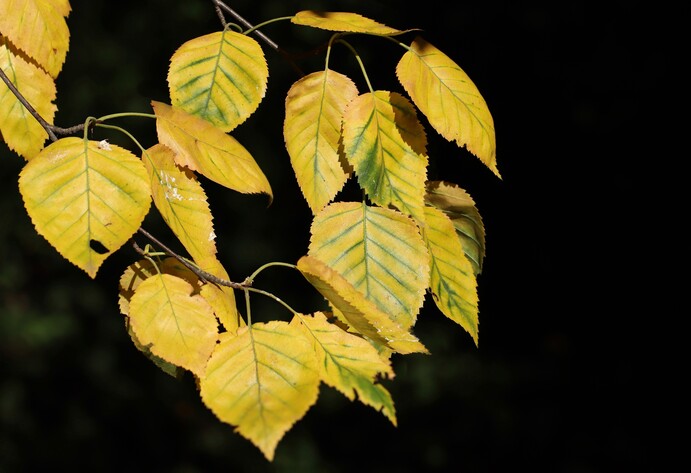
x: 342, y: 21
x: 453, y: 283
x: 361, y: 314
x: 261, y: 381
x: 312, y: 132
x: 348, y: 363
x: 176, y: 325
x: 87, y: 198
x: 206, y: 149
x: 449, y: 99
x: 19, y: 129
x: 38, y: 28
x: 385, y: 143
x: 380, y: 252
x: 460, y: 208
x: 220, y: 77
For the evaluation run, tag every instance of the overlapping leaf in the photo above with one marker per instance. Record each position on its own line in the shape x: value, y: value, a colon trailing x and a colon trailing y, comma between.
x: 342, y: 21
x: 312, y: 132
x: 38, y: 28
x: 449, y: 99
x: 220, y: 77
x: 221, y: 298
x: 379, y: 252
x: 87, y: 198
x: 20, y: 130
x: 262, y: 381
x: 385, y: 143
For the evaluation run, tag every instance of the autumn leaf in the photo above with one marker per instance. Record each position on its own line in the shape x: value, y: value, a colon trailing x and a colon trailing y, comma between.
x: 261, y: 381
x: 221, y: 298
x: 342, y: 21
x: 87, y: 198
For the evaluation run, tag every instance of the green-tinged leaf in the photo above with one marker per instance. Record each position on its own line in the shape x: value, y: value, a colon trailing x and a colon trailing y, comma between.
x: 380, y: 252
x: 349, y: 363
x: 449, y: 99
x: 19, y: 129
x: 204, y: 148
x: 175, y: 324
x: 220, y: 77
x: 361, y: 314
x: 460, y: 208
x: 342, y: 21
x: 181, y: 201
x: 261, y: 381
x: 453, y: 283
x: 87, y: 198
x: 38, y: 28
x: 385, y: 143
x: 312, y: 132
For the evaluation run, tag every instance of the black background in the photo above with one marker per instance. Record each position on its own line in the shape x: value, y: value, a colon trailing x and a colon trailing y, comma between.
x: 565, y: 377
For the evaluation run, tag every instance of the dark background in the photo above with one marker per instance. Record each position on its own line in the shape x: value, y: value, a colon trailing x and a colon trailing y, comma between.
x: 565, y: 378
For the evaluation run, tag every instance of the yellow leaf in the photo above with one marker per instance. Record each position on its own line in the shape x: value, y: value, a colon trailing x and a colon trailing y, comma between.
x: 460, y: 208
x: 359, y: 312
x: 174, y: 324
x: 221, y: 298
x: 20, y: 130
x: 86, y: 198
x: 312, y: 131
x: 262, y: 381
x: 380, y: 252
x: 204, y: 148
x: 449, y: 99
x: 38, y: 28
x: 453, y: 283
x: 220, y: 77
x: 342, y: 21
x: 385, y: 143
x: 348, y: 363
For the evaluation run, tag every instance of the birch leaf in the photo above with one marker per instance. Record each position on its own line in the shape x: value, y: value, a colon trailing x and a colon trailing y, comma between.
x: 453, y: 283
x: 342, y: 21
x: 449, y: 99
x: 38, y: 28
x: 312, y: 132
x: 261, y: 381
x: 221, y: 77
x: 221, y: 298
x: 385, y: 143
x: 206, y: 149
x: 380, y: 252
x: 20, y: 130
x: 86, y: 198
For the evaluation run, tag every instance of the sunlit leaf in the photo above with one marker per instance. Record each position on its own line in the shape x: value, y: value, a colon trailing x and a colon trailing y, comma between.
x: 385, y: 143
x: 87, y: 198
x: 380, y: 252
x: 220, y: 77
x: 460, y: 208
x: 361, y: 314
x: 261, y: 381
x: 349, y: 364
x: 453, y: 283
x: 312, y: 132
x: 38, y: 28
x: 342, y: 21
x: 20, y: 130
x: 449, y: 99
x: 221, y: 298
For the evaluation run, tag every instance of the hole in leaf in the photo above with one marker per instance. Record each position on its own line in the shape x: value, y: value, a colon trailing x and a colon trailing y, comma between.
x: 98, y: 247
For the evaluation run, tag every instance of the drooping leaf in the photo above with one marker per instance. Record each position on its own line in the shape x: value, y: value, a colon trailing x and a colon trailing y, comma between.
x: 380, y: 252
x: 204, y: 148
x: 38, y: 28
x: 453, y: 283
x: 261, y: 381
x: 176, y: 325
x: 221, y: 77
x: 449, y: 99
x: 312, y: 132
x: 221, y: 298
x: 348, y: 363
x: 460, y: 208
x: 87, y: 198
x: 342, y: 21
x: 20, y: 130
x: 361, y: 314
x: 385, y: 143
